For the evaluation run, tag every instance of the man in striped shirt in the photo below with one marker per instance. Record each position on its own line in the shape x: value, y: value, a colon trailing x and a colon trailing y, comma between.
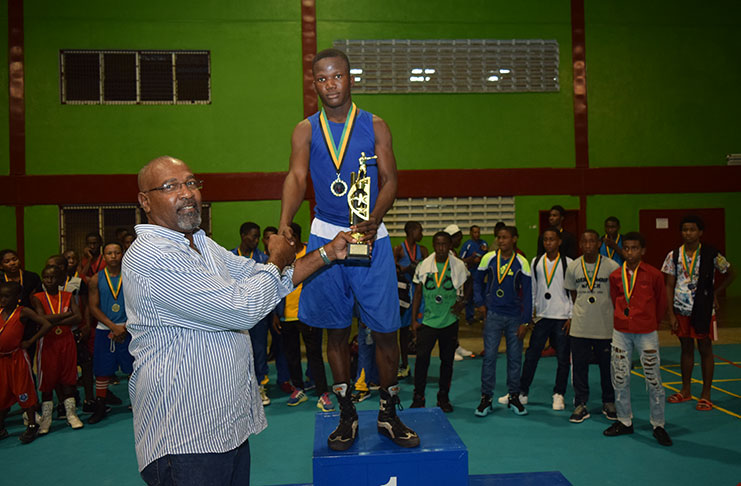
x: 193, y: 390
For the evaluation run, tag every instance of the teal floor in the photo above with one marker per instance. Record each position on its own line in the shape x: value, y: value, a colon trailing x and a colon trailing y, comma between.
x: 706, y: 451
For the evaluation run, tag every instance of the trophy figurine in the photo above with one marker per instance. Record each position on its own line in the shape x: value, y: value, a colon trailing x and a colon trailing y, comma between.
x: 358, y: 199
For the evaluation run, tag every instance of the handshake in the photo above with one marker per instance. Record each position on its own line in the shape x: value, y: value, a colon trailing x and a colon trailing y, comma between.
x: 283, y: 246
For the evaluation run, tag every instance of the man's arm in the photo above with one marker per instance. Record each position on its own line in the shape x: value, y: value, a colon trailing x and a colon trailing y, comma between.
x: 294, y: 185
x: 44, y: 326
x: 670, y: 282
x: 416, y: 302
x: 387, y: 180
x: 311, y: 262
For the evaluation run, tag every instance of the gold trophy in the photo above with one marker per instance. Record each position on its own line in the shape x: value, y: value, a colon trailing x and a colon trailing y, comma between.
x: 358, y: 199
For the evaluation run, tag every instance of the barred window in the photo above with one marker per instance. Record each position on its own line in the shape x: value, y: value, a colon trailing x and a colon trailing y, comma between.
x: 453, y: 66
x: 76, y: 221
x: 435, y: 213
x: 135, y: 77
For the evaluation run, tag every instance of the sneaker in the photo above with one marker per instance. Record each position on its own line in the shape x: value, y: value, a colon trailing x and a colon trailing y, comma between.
x: 45, y: 422
x: 618, y: 428
x: 30, y: 434
x: 403, y: 372
x: 325, y: 403
x: 374, y: 386
x: 343, y: 437
x: 111, y: 399
x: 71, y: 415
x: 484, y: 407
x: 286, y: 387
x: 444, y: 403
x: 389, y: 424
x: 580, y: 414
x: 516, y: 405
x: 360, y: 395
x: 309, y: 385
x: 662, y: 437
x: 457, y: 357
x: 418, y: 401
x: 558, y: 402
x: 608, y: 410
x: 264, y: 396
x: 464, y: 353
x: 101, y: 410
x: 296, y: 398
x: 504, y: 399
x: 88, y: 406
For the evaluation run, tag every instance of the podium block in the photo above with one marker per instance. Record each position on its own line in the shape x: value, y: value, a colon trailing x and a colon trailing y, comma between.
x: 374, y: 460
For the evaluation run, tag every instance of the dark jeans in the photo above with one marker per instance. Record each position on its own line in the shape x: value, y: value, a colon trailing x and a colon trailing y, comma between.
x: 582, y: 350
x: 259, y: 339
x: 226, y: 468
x: 447, y: 339
x: 292, y: 331
x: 279, y: 354
x: 545, y: 329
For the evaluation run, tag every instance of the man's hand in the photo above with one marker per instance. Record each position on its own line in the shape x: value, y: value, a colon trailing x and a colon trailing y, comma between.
x: 673, y: 322
x: 286, y: 231
x: 25, y: 344
x: 87, y: 252
x: 566, y: 327
x: 457, y: 307
x: 276, y: 324
x: 368, y: 228
x: 282, y: 253
x: 337, y: 248
x: 480, y: 312
x: 415, y: 325
x: 521, y: 331
x: 119, y: 333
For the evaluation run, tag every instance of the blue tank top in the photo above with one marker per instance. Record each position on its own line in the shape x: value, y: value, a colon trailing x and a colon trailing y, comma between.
x: 330, y: 208
x: 405, y: 259
x: 107, y: 301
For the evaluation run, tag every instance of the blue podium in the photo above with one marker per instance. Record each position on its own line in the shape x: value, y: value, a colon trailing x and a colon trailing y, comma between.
x: 374, y: 460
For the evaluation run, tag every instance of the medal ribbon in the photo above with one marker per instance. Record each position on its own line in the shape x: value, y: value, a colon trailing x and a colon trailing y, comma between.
x: 409, y: 252
x: 610, y: 251
x: 628, y: 289
x: 439, y: 281
x: 686, y: 263
x: 8, y: 319
x: 502, y: 275
x: 239, y: 252
x: 590, y: 283
x: 337, y: 151
x: 51, y: 306
x: 110, y: 285
x: 65, y: 285
x: 549, y: 278
x: 20, y: 273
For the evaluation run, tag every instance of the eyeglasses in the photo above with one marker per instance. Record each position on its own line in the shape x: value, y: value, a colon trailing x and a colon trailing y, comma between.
x: 170, y: 187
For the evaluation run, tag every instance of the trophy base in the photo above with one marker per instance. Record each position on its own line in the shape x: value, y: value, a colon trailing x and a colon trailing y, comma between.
x: 358, y: 251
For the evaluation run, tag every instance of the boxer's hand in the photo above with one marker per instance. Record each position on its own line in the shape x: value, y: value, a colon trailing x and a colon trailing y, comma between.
x: 286, y: 231
x: 282, y: 252
x: 368, y: 228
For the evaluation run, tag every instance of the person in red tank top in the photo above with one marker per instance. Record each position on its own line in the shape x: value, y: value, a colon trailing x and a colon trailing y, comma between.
x: 16, y: 382
x: 57, y: 352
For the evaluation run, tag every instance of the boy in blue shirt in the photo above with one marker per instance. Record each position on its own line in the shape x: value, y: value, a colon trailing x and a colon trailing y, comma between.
x: 503, y: 291
x: 471, y: 254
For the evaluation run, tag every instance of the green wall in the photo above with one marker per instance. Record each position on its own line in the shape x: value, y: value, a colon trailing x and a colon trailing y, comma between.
x: 41, y: 234
x: 227, y: 217
x: 663, y: 82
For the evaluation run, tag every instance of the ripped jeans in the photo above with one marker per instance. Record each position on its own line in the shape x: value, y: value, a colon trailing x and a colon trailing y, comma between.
x: 623, y: 344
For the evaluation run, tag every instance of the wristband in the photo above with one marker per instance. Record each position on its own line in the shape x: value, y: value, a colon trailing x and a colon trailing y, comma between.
x: 323, y: 254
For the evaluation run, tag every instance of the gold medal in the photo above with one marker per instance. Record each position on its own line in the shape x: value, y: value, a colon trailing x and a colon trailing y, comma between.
x: 115, y: 307
x: 57, y: 330
x: 337, y: 151
x: 629, y: 284
x: 114, y: 293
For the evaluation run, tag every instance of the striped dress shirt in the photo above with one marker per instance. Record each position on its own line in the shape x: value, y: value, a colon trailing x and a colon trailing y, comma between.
x: 193, y: 388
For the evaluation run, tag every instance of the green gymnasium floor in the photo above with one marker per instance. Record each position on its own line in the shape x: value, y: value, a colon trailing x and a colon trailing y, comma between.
x: 706, y: 451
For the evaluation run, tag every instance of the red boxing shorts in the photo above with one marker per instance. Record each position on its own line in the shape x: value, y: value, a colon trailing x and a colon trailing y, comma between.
x: 686, y: 330
x: 57, y: 362
x: 16, y: 382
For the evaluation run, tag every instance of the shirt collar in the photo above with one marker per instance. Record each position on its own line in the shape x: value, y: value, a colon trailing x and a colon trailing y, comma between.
x: 172, y: 235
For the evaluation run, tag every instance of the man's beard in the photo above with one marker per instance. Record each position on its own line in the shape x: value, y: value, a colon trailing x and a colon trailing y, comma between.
x: 191, y: 221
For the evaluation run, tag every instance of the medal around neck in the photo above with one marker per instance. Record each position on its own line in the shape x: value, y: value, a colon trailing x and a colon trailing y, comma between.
x: 358, y: 200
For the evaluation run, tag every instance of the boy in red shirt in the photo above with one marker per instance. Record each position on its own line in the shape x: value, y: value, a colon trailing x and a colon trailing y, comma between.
x: 16, y: 382
x: 639, y: 298
x: 57, y: 351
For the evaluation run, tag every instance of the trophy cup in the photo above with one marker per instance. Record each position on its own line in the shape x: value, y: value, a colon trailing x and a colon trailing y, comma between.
x: 358, y: 199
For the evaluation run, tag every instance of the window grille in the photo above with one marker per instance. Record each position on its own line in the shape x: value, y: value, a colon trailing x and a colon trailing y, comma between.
x: 453, y: 66
x: 76, y: 221
x: 135, y: 77
x: 435, y: 213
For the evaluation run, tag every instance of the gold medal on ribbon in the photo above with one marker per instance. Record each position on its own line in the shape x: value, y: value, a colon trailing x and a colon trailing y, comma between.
x: 439, y: 281
x: 115, y: 307
x: 337, y: 151
x: 689, y: 265
x: 593, y: 280
x: 610, y: 251
x: 501, y: 275
x: 58, y: 330
x: 629, y: 284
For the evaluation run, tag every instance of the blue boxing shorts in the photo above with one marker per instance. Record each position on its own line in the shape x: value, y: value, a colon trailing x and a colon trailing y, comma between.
x: 109, y: 356
x: 329, y: 296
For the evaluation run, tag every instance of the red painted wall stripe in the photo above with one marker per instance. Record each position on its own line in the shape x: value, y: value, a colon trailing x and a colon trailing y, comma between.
x: 16, y: 113
x: 579, y: 60
x: 257, y: 186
